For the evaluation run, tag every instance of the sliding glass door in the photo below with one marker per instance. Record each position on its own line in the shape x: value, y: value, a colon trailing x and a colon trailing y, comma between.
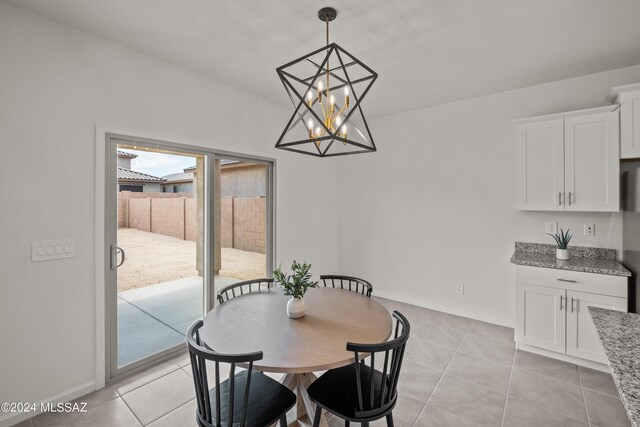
x: 182, y: 222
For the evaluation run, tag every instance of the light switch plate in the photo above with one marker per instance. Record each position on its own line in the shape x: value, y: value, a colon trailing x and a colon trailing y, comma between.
x: 45, y: 250
x: 551, y: 227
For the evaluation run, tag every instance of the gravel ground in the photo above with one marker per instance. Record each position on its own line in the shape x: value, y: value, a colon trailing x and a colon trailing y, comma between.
x: 156, y: 258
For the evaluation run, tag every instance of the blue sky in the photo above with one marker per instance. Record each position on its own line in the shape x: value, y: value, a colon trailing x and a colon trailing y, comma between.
x: 159, y: 164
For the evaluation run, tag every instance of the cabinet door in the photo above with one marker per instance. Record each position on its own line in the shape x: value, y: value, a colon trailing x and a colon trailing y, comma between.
x: 543, y: 317
x: 540, y: 163
x: 630, y: 124
x: 592, y: 165
x: 582, y: 337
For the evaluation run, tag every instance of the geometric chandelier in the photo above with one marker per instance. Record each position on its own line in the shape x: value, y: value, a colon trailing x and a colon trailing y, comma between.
x: 327, y: 87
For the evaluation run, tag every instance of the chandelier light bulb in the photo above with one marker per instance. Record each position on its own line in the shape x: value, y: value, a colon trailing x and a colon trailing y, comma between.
x: 310, y: 127
x: 309, y: 98
x: 346, y: 96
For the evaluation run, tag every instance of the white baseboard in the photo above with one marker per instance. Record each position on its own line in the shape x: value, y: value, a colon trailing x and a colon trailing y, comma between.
x: 564, y: 357
x: 66, y: 396
x: 419, y: 303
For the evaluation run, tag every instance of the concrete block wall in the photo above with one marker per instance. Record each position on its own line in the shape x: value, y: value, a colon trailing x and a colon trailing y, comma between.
x: 249, y: 224
x: 139, y: 214
x: 190, y: 219
x: 243, y: 219
x: 227, y: 222
x: 167, y: 216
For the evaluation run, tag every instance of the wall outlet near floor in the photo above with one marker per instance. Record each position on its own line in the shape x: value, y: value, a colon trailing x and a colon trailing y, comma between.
x: 590, y: 230
x: 460, y: 288
x: 551, y: 227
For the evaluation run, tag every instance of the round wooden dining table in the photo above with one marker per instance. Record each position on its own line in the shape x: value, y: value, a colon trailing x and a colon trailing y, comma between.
x: 297, y: 347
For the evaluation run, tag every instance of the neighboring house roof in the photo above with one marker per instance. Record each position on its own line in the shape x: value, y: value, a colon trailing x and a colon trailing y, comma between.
x: 222, y: 163
x: 126, y: 155
x: 129, y: 175
x: 178, y: 177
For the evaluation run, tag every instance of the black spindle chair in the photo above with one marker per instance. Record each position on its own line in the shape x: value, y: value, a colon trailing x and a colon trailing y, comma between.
x: 358, y: 392
x: 347, y: 282
x: 245, y: 399
x: 241, y: 288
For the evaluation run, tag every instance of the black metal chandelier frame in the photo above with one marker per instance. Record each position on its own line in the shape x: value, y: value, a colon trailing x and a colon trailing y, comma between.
x: 303, y: 109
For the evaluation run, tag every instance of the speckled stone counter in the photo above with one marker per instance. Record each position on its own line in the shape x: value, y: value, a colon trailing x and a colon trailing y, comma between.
x: 620, y: 336
x: 584, y: 259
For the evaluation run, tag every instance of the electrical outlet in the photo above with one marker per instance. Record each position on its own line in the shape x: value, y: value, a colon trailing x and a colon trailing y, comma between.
x: 460, y: 288
x: 590, y: 230
x: 551, y: 227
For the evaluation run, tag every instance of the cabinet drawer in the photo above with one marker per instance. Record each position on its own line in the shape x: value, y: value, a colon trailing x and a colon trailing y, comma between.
x: 602, y: 284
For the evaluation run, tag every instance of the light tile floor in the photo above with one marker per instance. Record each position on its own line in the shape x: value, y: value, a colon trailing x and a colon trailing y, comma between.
x: 457, y: 372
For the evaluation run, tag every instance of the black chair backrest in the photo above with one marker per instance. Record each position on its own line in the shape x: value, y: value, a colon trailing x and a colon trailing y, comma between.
x: 241, y: 288
x: 370, y: 404
x: 199, y: 355
x: 347, y: 282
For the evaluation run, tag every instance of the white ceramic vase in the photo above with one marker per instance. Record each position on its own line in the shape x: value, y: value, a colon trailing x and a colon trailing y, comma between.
x: 295, y: 308
x: 563, y: 254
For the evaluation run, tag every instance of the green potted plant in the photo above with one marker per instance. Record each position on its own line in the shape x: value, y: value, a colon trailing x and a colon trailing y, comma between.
x: 295, y: 285
x: 562, y: 240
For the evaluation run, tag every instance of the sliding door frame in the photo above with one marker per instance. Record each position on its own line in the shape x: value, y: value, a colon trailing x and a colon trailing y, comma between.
x: 106, y: 227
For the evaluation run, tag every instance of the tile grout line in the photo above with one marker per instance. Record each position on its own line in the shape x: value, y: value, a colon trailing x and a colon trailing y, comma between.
x: 584, y: 399
x: 506, y: 399
x: 131, y: 410
x: 148, y: 382
x: 171, y: 412
x: 443, y: 372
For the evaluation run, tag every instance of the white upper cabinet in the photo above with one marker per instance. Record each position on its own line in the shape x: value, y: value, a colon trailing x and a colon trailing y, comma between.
x: 629, y: 99
x: 569, y: 161
x: 592, y: 163
x: 540, y: 154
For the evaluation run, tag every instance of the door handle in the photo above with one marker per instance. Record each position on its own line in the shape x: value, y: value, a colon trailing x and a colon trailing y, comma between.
x: 567, y: 280
x: 561, y: 302
x: 114, y: 257
x: 572, y: 301
x: 569, y: 198
x: 559, y: 198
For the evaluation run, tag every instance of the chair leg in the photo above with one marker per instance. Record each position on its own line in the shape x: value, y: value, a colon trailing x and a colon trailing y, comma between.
x: 390, y: 420
x: 316, y: 417
x: 283, y: 420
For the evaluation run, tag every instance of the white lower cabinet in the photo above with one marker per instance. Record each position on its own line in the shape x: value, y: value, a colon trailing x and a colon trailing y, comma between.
x: 543, y: 318
x: 552, y: 311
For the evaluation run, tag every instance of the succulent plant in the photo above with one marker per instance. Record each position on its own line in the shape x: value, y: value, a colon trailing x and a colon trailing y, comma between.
x: 562, y: 239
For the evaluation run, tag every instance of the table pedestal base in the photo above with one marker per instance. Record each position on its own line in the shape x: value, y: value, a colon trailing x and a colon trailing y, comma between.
x: 304, y: 409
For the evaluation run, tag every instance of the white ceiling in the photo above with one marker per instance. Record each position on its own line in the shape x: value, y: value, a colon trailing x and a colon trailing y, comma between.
x: 426, y: 52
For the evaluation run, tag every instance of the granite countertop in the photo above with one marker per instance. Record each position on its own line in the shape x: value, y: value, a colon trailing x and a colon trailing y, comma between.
x: 584, y: 259
x: 620, y: 336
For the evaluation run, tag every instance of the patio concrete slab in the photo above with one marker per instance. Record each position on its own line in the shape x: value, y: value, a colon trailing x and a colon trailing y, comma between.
x: 156, y: 317
x: 140, y: 335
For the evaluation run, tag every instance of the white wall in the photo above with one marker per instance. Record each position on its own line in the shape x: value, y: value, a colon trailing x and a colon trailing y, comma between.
x: 435, y: 206
x: 56, y: 83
